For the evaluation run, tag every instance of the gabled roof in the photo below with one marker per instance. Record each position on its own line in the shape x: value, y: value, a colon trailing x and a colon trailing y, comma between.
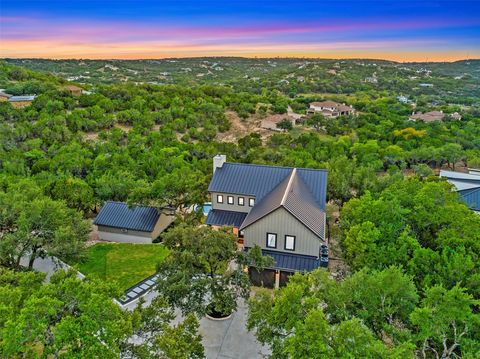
x: 119, y: 215
x: 293, y: 195
x: 258, y: 180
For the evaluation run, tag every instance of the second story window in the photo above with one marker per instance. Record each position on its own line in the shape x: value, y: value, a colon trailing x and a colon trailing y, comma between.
x: 241, y: 201
x: 251, y: 202
x: 271, y: 240
x: 230, y: 200
x: 219, y: 198
x: 290, y: 243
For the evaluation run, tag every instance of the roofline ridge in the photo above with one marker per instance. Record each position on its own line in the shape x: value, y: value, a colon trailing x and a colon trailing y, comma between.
x: 284, y: 167
x: 289, y: 185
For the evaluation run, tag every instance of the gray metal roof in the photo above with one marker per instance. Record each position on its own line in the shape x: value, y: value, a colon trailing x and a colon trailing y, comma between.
x: 294, y: 195
x: 293, y: 262
x: 218, y: 217
x: 462, y: 181
x: 258, y: 180
x: 21, y: 98
x: 119, y: 215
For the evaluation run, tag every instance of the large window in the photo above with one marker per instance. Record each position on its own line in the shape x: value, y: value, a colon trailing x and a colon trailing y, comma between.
x: 251, y: 202
x: 290, y: 243
x: 271, y: 240
x: 219, y: 198
x: 230, y: 200
x: 241, y: 201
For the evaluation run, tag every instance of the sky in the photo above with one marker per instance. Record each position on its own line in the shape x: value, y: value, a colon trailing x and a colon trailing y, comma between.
x: 398, y: 30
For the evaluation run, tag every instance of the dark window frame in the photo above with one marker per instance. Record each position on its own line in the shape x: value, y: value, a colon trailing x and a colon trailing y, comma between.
x: 238, y: 201
x: 232, y: 198
x: 294, y: 242
x: 250, y: 201
x: 218, y: 198
x: 276, y: 240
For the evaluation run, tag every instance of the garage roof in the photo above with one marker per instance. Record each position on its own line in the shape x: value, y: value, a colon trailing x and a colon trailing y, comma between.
x: 119, y: 215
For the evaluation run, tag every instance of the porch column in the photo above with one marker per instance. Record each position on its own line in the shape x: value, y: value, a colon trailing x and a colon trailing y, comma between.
x: 277, y: 279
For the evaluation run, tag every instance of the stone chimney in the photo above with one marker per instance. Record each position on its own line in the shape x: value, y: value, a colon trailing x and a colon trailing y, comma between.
x: 218, y: 161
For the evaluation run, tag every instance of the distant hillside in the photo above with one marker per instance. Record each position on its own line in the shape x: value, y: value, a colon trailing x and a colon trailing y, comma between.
x: 455, y: 82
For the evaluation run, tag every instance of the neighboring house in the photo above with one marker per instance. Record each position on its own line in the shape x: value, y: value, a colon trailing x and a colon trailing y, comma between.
x: 21, y: 101
x: 455, y: 116
x: 73, y: 90
x: 4, y: 96
x: 431, y: 116
x: 467, y: 186
x: 280, y: 209
x: 330, y: 109
x: 117, y: 222
x: 403, y: 99
x: 371, y: 79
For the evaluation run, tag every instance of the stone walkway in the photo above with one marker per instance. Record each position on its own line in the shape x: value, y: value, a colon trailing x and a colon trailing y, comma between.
x: 139, y: 289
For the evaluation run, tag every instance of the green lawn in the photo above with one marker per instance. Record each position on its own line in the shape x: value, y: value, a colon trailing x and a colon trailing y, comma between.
x: 123, y: 263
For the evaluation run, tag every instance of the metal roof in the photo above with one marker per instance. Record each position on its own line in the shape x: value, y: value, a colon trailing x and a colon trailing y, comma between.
x: 462, y: 181
x: 21, y: 98
x: 259, y: 180
x: 293, y: 262
x: 218, y: 217
x: 119, y: 215
x: 294, y: 195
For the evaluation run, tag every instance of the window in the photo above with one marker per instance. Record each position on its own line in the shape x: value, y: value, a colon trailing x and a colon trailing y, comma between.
x: 241, y: 201
x: 241, y: 234
x: 219, y: 198
x: 251, y: 202
x: 290, y: 243
x: 230, y: 200
x: 271, y: 240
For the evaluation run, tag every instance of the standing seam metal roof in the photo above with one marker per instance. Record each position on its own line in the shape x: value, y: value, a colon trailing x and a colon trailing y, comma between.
x: 119, y: 215
x: 218, y: 217
x: 259, y: 180
x: 293, y: 262
x: 293, y: 195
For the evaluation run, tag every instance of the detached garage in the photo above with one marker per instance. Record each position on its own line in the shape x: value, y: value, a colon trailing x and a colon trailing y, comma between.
x: 117, y: 222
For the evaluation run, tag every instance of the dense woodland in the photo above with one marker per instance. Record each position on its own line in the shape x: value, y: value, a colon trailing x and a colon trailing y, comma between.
x: 410, y: 248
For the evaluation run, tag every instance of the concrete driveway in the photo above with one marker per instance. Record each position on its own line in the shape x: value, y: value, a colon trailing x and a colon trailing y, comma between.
x: 226, y: 339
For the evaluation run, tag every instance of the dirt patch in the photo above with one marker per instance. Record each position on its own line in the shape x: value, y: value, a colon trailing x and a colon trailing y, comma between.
x: 123, y: 127
x: 92, y: 136
x: 242, y: 127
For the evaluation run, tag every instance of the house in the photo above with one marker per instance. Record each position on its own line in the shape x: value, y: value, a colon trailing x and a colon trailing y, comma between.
x: 402, y: 99
x: 73, y: 90
x: 4, y: 96
x: 431, y: 116
x: 455, y: 116
x: 21, y: 101
x: 280, y: 209
x: 116, y: 222
x: 467, y: 185
x: 330, y: 109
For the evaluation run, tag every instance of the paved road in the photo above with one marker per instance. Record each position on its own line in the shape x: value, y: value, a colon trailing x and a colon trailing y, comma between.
x: 48, y: 265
